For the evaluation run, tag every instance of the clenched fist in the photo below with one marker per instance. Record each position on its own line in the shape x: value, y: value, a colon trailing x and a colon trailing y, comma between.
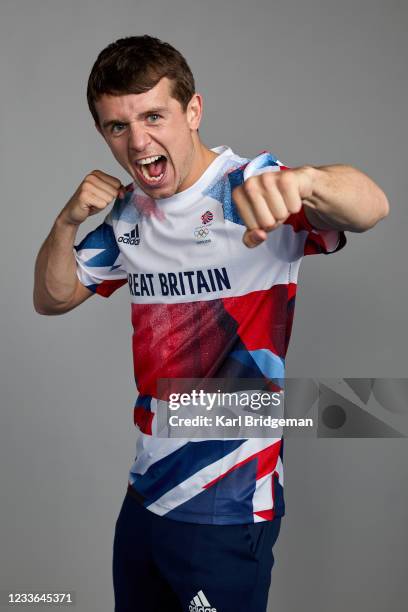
x: 93, y: 195
x: 266, y: 200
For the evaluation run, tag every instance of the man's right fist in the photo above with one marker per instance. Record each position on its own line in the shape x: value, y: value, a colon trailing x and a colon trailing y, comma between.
x: 94, y: 194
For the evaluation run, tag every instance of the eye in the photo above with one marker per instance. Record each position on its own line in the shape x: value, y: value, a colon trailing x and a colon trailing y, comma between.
x: 117, y: 128
x: 153, y: 118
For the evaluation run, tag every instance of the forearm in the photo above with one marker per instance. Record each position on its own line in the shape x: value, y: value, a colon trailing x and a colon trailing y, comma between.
x: 55, y: 269
x: 345, y: 198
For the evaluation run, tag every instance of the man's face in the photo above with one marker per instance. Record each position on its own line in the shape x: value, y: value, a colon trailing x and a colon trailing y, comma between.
x: 152, y: 138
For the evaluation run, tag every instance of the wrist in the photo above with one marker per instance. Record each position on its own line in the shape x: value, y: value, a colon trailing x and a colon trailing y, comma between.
x: 311, y: 179
x: 63, y: 221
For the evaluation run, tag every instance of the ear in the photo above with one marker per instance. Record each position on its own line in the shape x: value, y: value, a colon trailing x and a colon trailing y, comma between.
x: 194, y: 111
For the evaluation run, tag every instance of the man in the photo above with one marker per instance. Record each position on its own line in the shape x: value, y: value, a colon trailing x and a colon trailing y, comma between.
x: 210, y: 245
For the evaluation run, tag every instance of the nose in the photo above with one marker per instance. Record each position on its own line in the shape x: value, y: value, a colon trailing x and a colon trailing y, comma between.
x: 139, y: 138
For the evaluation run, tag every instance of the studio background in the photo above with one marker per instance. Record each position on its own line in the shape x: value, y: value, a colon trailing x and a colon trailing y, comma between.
x: 314, y: 82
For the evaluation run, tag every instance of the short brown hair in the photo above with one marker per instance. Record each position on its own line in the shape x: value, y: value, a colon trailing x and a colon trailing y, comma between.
x: 135, y: 64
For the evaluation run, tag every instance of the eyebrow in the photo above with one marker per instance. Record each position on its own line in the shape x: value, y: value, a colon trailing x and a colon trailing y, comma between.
x: 158, y: 109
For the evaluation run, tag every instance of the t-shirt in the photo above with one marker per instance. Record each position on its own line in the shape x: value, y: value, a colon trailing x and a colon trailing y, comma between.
x: 203, y: 305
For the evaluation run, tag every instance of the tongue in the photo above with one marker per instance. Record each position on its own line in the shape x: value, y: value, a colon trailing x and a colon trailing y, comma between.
x: 157, y: 167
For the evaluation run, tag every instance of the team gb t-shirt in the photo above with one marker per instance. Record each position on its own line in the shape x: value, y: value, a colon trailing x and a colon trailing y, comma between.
x: 203, y: 305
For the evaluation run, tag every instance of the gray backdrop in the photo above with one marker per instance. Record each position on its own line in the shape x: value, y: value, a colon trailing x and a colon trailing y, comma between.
x: 315, y: 82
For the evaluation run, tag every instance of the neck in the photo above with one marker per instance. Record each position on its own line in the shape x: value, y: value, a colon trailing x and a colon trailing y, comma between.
x: 202, y: 159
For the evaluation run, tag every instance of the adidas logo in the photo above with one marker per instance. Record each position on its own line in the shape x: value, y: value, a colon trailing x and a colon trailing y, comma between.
x: 131, y: 237
x: 200, y: 603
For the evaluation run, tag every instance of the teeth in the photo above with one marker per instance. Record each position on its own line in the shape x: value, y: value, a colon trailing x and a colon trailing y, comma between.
x: 148, y: 160
x: 153, y: 179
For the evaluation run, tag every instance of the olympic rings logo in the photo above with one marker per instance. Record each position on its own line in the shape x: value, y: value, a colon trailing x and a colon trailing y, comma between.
x: 202, y: 232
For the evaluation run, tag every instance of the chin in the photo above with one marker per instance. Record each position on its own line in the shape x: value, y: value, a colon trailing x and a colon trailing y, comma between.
x: 156, y: 194
x: 165, y: 194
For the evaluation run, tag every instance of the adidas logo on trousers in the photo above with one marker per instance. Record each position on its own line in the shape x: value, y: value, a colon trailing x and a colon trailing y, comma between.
x: 200, y: 604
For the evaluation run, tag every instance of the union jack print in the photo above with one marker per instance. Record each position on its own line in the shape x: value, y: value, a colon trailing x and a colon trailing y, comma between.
x: 207, y: 217
x: 187, y: 324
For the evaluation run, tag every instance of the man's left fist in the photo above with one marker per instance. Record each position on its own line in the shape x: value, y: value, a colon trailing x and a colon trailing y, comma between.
x: 266, y: 200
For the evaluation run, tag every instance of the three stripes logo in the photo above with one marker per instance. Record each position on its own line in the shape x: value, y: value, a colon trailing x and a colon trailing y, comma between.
x: 200, y: 603
x: 131, y: 237
x: 207, y: 217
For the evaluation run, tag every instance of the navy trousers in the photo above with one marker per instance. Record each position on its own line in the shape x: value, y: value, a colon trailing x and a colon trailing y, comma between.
x: 163, y: 565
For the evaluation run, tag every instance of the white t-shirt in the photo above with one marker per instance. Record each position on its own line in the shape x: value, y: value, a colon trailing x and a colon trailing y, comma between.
x: 203, y: 306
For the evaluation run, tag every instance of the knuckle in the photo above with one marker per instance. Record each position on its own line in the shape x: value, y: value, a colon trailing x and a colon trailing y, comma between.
x: 285, y: 176
x: 86, y: 186
x: 249, y: 182
x: 239, y: 197
x: 295, y: 207
x: 266, y: 222
x: 83, y: 190
x: 268, y: 178
x: 282, y: 216
x: 270, y: 227
x: 250, y: 186
x: 270, y: 224
x: 285, y: 186
x: 89, y: 179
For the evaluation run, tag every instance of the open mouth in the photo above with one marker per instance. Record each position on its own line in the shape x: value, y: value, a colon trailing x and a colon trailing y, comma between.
x: 151, y: 170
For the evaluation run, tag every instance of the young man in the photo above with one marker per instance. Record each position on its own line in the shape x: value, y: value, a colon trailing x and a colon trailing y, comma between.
x: 199, y: 520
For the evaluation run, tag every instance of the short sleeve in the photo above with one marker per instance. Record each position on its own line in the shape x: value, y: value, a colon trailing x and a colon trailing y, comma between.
x: 99, y: 261
x: 315, y: 241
